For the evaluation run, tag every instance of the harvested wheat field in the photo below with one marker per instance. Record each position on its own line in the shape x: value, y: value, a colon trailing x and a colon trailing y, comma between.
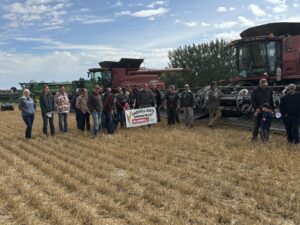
x: 146, y: 176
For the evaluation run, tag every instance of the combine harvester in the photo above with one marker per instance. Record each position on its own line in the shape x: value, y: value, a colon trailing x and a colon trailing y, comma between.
x: 125, y: 73
x: 270, y: 51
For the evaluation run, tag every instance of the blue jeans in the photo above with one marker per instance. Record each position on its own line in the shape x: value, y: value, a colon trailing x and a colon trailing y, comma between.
x: 121, y: 118
x: 97, y: 122
x: 63, y: 122
x: 28, y: 119
x: 291, y: 124
x: 109, y: 122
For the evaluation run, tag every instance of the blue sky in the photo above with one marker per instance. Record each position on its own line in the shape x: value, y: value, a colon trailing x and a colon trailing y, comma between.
x: 58, y: 40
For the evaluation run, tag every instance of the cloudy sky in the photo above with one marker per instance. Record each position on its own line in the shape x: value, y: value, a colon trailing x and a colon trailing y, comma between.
x: 58, y: 40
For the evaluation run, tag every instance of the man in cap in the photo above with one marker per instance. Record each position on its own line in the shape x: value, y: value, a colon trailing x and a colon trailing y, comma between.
x: 290, y: 110
x: 261, y: 95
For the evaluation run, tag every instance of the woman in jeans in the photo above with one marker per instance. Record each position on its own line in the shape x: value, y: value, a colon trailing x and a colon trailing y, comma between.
x: 63, y: 108
x: 27, y: 107
x: 47, y: 107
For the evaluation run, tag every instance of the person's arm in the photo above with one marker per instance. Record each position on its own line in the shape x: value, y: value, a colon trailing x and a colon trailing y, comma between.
x: 90, y: 105
x: 253, y: 100
x: 42, y: 104
x: 153, y: 99
x: 20, y: 106
x: 282, y: 106
x: 272, y: 105
x: 53, y: 104
x: 78, y: 103
x: 193, y: 99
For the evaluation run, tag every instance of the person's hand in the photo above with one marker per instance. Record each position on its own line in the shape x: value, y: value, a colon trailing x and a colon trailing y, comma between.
x: 258, y: 110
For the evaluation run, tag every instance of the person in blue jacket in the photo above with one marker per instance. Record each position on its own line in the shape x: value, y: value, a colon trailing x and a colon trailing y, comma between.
x: 27, y: 107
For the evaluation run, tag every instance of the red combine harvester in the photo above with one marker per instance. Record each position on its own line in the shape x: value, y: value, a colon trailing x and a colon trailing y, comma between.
x: 270, y: 51
x: 128, y: 73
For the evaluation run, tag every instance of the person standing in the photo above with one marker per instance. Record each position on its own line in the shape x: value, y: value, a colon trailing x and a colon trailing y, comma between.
x: 95, y: 106
x: 83, y: 110
x: 47, y: 107
x: 265, y: 124
x: 187, y: 102
x: 63, y: 108
x: 213, y: 104
x: 134, y: 97
x: 108, y: 108
x: 158, y: 100
x: 27, y: 107
x: 262, y: 94
x: 171, y: 104
x: 121, y: 101
x: 146, y: 98
x: 290, y: 110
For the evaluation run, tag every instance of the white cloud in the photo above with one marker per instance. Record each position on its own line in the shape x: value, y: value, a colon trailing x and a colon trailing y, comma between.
x: 150, y: 12
x: 191, y: 24
x: 232, y: 9
x: 160, y: 3
x: 90, y: 19
x: 274, y: 1
x: 280, y: 6
x: 204, y: 24
x: 32, y: 11
x: 222, y: 9
x: 119, y: 3
x: 228, y: 36
x: 144, y: 13
x: 256, y: 10
x: 246, y: 22
x: 226, y: 25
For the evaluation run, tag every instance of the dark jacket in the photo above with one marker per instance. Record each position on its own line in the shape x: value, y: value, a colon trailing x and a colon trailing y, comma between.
x: 290, y: 104
x: 260, y: 96
x: 121, y: 101
x: 95, y: 102
x: 47, y: 103
x: 157, y: 96
x: 172, y: 100
x: 266, y: 120
x: 187, y: 99
x: 135, y: 97
x: 146, y: 99
x: 108, y: 102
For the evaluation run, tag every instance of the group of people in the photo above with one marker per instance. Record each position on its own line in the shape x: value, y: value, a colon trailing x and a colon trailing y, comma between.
x: 107, y: 109
x: 101, y: 105
x: 263, y: 110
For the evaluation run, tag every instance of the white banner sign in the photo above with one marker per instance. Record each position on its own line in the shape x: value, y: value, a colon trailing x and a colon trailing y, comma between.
x: 140, y: 117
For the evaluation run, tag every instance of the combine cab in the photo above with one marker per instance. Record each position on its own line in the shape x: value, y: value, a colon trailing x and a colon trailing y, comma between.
x: 270, y: 51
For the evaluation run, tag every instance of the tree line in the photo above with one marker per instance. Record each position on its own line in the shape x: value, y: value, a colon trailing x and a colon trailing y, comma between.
x: 204, y: 63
